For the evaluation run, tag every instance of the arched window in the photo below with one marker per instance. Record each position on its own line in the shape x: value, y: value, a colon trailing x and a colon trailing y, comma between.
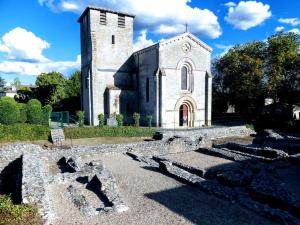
x: 184, y: 78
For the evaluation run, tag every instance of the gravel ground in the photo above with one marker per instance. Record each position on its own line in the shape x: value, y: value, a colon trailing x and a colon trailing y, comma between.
x: 152, y: 198
x: 199, y: 160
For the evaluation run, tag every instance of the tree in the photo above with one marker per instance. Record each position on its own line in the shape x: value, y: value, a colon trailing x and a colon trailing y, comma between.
x: 2, y: 84
x: 16, y: 83
x: 24, y: 94
x: 282, y: 66
x: 50, y: 88
x: 72, y: 100
x: 240, y: 75
x: 73, y: 85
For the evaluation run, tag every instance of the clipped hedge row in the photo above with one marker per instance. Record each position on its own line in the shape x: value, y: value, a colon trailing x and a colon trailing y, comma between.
x: 106, y: 131
x: 23, y: 132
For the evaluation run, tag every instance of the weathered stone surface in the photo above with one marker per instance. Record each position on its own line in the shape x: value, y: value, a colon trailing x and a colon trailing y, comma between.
x: 235, y: 178
x: 239, y: 195
x: 80, y: 201
x: 253, y: 150
x: 57, y: 136
x: 112, y: 122
x: 265, y: 188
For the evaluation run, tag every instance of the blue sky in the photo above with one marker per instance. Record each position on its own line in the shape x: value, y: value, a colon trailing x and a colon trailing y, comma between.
x: 43, y: 35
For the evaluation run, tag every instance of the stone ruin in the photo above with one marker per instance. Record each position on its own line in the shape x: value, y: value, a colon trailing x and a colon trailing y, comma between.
x: 252, y: 180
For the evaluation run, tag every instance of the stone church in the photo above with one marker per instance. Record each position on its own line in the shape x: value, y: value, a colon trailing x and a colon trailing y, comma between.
x: 170, y: 80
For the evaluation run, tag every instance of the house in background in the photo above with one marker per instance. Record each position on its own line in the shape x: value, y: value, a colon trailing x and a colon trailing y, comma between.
x: 10, y: 91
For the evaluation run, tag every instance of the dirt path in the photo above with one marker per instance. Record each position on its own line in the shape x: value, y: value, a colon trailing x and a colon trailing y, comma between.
x: 153, y: 199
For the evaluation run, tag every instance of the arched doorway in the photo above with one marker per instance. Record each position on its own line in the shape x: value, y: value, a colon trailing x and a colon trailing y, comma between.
x: 183, y: 115
x: 186, y: 117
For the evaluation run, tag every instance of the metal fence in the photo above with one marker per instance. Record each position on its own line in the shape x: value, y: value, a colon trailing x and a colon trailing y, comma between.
x: 60, y: 118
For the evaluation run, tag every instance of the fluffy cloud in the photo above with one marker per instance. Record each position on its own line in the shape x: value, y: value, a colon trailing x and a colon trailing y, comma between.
x: 247, y: 14
x: 142, y: 41
x: 154, y: 15
x: 23, y: 51
x: 36, y: 68
x: 295, y: 30
x: 224, y: 48
x: 291, y: 21
x: 68, y: 6
x: 279, y: 29
x: 230, y: 4
x: 20, y: 44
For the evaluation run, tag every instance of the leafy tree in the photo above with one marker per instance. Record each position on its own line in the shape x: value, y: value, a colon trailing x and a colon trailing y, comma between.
x: 50, y: 88
x: 2, y: 84
x: 24, y: 94
x: 241, y: 71
x: 71, y: 102
x: 73, y: 85
x: 282, y: 66
x: 16, y: 83
x: 9, y: 111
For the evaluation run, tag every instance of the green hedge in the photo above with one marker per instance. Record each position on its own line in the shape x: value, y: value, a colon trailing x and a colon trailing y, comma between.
x: 106, y: 131
x: 23, y: 132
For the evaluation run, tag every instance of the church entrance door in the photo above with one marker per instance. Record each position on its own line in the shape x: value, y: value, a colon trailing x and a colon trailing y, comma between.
x: 183, y: 115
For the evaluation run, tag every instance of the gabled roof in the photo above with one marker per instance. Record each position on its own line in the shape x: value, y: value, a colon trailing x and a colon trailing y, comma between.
x: 190, y: 36
x: 103, y: 9
x: 177, y: 38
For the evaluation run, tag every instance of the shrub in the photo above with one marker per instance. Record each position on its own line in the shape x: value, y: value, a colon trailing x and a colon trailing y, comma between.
x: 23, y: 132
x: 9, y: 111
x: 23, y: 112
x: 80, y: 115
x: 250, y: 126
x: 34, y: 112
x: 136, y: 118
x: 101, y: 120
x: 149, y: 120
x: 107, y: 131
x: 120, y: 119
x: 11, y: 214
x: 47, y: 109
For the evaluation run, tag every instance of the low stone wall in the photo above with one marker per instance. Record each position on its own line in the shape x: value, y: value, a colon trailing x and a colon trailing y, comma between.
x: 210, y: 132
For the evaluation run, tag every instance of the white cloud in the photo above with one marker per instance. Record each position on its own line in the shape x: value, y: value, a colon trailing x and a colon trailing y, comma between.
x: 21, y: 44
x: 36, y: 68
x: 225, y: 48
x: 291, y: 21
x: 167, y: 29
x: 230, y: 4
x: 154, y: 15
x: 279, y: 29
x: 248, y: 14
x: 68, y: 6
x: 142, y: 41
x: 23, y: 51
x: 295, y: 30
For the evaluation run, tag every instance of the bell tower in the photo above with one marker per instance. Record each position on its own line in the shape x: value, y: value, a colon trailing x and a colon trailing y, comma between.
x: 106, y: 47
